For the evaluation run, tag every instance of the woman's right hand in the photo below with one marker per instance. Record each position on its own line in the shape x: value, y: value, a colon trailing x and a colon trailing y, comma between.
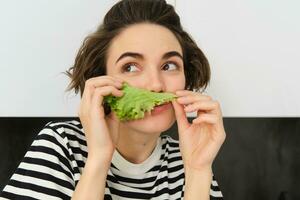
x: 101, y: 132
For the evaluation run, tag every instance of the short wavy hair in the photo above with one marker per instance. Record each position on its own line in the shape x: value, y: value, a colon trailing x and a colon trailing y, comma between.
x: 91, y: 58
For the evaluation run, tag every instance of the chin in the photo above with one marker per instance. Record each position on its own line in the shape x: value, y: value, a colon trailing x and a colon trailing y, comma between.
x: 153, y: 123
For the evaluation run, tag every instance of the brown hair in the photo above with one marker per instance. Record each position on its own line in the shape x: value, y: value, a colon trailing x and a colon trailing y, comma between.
x: 92, y: 55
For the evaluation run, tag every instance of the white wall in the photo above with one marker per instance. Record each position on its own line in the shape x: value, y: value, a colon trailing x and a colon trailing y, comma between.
x: 39, y: 40
x: 253, y: 48
x: 251, y: 45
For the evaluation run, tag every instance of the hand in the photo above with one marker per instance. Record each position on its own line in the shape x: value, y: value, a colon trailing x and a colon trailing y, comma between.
x: 200, y: 141
x: 100, y: 140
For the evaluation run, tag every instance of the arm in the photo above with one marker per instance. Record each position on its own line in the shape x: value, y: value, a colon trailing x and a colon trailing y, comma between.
x: 46, y: 171
x: 101, y: 134
x: 92, y: 181
x: 199, y: 141
x: 197, y: 184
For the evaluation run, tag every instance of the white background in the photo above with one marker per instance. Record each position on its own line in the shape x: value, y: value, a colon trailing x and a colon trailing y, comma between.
x: 252, y: 46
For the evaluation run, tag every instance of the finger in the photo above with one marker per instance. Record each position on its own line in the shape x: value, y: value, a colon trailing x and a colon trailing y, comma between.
x: 92, y: 84
x: 206, y: 118
x: 120, y: 79
x: 106, y: 77
x: 181, y: 118
x: 188, y: 92
x: 99, y: 93
x: 202, y: 105
x: 191, y: 98
x: 102, y: 81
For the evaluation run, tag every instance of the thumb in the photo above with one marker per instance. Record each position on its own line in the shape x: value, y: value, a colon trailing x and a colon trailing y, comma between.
x: 180, y: 115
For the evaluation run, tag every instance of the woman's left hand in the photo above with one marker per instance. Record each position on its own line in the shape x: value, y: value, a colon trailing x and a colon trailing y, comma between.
x: 200, y: 141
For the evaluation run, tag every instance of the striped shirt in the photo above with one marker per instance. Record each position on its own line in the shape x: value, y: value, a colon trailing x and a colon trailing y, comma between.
x: 52, y: 167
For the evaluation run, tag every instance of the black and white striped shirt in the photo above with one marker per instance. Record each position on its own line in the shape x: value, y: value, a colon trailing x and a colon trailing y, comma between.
x: 54, y: 162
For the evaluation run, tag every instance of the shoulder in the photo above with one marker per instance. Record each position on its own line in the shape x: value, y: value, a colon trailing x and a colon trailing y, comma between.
x: 71, y: 129
x: 66, y: 134
x: 63, y: 139
x: 61, y: 126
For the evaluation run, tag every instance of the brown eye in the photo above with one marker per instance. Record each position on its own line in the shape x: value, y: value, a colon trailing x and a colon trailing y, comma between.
x: 171, y: 65
x: 128, y: 67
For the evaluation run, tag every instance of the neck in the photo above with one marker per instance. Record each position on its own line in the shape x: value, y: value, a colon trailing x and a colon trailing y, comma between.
x: 136, y: 146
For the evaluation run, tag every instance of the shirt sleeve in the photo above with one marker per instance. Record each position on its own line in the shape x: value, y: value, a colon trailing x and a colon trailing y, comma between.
x: 45, y: 172
x: 215, y: 192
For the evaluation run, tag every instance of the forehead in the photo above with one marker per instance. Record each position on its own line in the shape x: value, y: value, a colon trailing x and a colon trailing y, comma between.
x: 148, y: 39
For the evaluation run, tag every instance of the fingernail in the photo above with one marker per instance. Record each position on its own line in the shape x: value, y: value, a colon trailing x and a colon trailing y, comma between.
x: 119, y: 82
x: 180, y: 99
x: 119, y: 85
x: 120, y: 93
x: 187, y: 108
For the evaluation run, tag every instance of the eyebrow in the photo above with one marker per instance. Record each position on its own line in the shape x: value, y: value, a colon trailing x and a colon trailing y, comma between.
x: 140, y: 56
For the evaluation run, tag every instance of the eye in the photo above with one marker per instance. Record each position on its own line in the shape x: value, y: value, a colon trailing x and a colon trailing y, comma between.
x: 169, y: 65
x: 127, y: 67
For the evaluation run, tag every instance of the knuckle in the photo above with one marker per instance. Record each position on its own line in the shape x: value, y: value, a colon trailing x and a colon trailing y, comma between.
x: 217, y: 104
x: 98, y: 91
x: 111, y: 88
x: 88, y: 83
x: 207, y: 97
x: 224, y: 137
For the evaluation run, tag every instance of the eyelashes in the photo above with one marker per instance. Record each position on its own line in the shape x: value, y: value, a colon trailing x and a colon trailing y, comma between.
x: 171, y: 62
x: 125, y: 67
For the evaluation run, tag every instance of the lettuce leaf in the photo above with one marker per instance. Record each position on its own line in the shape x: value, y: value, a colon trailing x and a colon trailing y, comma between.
x: 135, y: 102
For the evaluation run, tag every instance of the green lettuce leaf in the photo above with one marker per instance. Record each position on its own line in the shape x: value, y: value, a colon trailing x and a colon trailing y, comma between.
x: 135, y: 102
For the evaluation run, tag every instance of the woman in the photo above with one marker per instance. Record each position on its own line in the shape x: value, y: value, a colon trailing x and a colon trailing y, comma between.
x: 140, y: 42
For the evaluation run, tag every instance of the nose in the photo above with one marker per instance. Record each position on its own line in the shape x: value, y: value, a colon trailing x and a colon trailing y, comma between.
x: 155, y: 82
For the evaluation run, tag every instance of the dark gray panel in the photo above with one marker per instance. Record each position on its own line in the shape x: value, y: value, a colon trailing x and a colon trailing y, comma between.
x: 259, y: 159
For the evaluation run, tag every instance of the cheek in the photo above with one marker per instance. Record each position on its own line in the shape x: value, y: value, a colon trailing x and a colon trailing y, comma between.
x: 174, y: 84
x: 137, y: 81
x: 182, y: 83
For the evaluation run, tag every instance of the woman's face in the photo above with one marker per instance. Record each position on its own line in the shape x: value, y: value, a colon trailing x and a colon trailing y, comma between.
x: 148, y: 56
